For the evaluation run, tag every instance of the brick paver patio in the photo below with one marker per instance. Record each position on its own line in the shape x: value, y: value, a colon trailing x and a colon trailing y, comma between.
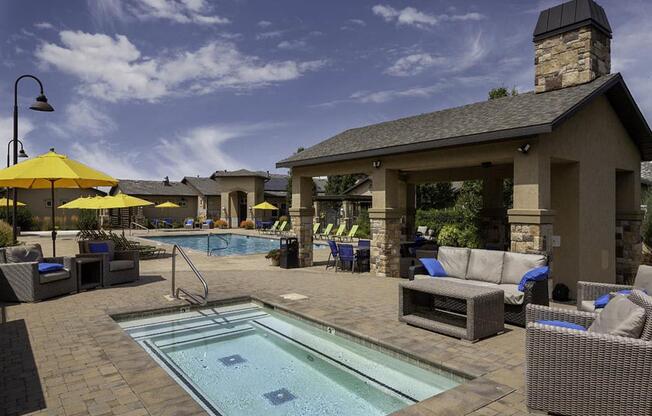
x: 67, y: 356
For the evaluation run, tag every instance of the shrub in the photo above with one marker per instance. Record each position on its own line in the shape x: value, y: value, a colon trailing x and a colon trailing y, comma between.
x: 646, y: 227
x: 283, y: 218
x: 454, y: 235
x: 364, y: 224
x: 274, y: 254
x: 24, y: 218
x: 88, y: 220
x: 436, y: 219
x: 220, y: 224
x: 247, y: 224
x: 6, y: 234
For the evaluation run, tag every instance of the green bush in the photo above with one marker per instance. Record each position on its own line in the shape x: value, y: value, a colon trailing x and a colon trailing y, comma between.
x: 23, y: 216
x: 6, y: 234
x: 364, y: 224
x: 454, y: 235
x: 436, y: 219
x: 646, y: 228
x: 88, y: 220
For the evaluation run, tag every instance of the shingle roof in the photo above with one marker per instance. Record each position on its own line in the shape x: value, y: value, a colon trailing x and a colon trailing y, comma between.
x: 138, y: 187
x: 503, y: 118
x: 569, y: 16
x: 277, y: 182
x: 205, y: 186
x: 239, y: 172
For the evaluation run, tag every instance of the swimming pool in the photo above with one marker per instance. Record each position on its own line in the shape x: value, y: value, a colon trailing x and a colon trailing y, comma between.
x: 237, y: 244
x: 247, y: 360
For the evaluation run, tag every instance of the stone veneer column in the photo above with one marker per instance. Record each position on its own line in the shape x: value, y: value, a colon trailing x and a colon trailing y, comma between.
x: 531, y: 232
x: 385, y: 246
x: 629, y: 246
x: 301, y: 215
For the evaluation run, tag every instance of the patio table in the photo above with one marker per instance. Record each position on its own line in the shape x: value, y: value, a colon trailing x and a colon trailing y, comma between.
x: 422, y: 304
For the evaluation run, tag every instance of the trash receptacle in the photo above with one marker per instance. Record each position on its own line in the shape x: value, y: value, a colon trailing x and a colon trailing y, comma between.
x: 289, y: 253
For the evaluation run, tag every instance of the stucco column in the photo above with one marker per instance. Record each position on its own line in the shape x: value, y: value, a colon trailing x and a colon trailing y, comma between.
x: 202, y: 206
x: 493, y: 212
x: 385, y: 216
x: 316, y: 207
x: 225, y: 208
x: 301, y: 215
x: 251, y: 202
x: 531, y: 218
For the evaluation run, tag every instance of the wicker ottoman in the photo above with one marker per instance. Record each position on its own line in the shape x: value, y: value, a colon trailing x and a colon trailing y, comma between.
x: 422, y: 303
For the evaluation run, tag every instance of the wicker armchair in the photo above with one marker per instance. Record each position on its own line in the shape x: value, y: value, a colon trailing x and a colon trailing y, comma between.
x: 22, y: 282
x: 117, y: 266
x: 588, y: 292
x: 574, y: 372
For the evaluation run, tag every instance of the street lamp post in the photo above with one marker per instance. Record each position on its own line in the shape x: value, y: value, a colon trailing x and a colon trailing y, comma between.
x: 41, y: 104
x: 21, y: 154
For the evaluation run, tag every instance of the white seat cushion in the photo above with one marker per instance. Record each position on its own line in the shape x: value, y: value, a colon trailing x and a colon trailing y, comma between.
x: 587, y: 306
x: 515, y: 265
x: 454, y: 260
x: 117, y: 265
x: 485, y: 265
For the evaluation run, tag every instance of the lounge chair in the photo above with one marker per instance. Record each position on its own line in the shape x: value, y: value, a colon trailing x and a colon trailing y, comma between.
x: 207, y: 225
x: 23, y: 280
x: 577, y: 372
x: 351, y: 235
x: 340, y: 232
x: 422, y: 230
x: 281, y: 228
x: 327, y: 232
x: 189, y: 224
x: 271, y: 229
x: 315, y: 230
x: 118, y: 266
x: 588, y: 292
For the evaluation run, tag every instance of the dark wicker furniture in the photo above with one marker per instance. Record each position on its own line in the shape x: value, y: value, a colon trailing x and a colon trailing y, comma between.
x: 117, y: 266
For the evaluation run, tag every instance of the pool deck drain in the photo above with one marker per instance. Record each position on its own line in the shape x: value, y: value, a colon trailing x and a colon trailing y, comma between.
x: 294, y: 296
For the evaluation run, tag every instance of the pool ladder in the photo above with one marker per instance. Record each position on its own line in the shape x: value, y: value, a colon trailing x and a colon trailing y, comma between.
x: 190, y: 297
x: 209, y: 250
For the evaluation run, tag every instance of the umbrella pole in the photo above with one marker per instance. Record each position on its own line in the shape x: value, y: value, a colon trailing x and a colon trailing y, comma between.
x: 54, y: 231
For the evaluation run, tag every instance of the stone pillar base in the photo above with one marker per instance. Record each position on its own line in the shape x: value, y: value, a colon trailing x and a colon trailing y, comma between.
x: 531, y: 231
x: 302, y: 228
x: 629, y: 246
x: 385, y: 245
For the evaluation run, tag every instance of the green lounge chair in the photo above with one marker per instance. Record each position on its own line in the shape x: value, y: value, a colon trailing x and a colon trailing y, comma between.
x: 271, y: 229
x: 351, y: 235
x: 327, y: 232
x: 340, y: 232
x: 281, y: 228
x: 315, y: 229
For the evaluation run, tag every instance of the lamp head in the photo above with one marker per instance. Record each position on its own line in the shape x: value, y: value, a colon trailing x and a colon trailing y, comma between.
x: 41, y: 104
x: 22, y: 154
x: 524, y: 148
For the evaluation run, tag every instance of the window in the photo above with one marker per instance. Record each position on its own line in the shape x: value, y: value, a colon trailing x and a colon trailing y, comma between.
x: 182, y: 203
x: 48, y: 203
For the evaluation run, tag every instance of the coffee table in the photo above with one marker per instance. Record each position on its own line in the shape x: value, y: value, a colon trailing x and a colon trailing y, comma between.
x: 422, y: 303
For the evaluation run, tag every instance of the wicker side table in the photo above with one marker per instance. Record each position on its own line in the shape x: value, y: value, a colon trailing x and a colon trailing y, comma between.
x: 485, y: 308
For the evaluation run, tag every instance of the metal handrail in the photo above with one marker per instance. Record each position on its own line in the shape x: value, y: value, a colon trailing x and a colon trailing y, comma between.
x: 208, y: 243
x: 175, y: 294
x: 137, y: 226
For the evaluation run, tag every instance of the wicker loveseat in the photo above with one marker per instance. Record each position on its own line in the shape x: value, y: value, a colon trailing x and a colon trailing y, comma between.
x: 574, y: 372
x: 496, y: 269
x: 117, y: 266
x: 21, y: 281
x: 588, y: 292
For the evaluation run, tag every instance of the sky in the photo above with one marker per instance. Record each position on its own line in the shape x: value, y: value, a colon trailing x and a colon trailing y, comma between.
x: 144, y: 89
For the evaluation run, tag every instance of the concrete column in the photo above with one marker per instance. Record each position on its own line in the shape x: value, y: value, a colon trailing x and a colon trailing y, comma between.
x: 225, y: 208
x: 301, y: 215
x: 385, y: 216
x: 410, y: 210
x: 234, y: 221
x: 531, y: 218
x: 316, y: 207
x: 202, y: 206
x: 346, y: 205
x: 251, y: 202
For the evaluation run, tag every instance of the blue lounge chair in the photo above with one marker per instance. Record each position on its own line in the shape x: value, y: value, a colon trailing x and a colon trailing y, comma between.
x: 189, y: 224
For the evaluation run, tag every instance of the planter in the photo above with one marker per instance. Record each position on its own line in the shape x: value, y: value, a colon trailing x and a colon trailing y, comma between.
x: 276, y: 262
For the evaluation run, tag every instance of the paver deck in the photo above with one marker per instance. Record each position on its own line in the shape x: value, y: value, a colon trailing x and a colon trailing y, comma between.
x: 66, y: 356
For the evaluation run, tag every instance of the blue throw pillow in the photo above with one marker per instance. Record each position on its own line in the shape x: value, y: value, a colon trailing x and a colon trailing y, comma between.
x: 536, y: 274
x: 49, y: 267
x: 434, y: 267
x: 98, y: 247
x: 563, y: 324
x: 602, y: 301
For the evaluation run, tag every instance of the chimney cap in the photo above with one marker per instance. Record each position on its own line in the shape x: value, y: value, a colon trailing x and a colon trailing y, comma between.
x: 569, y: 16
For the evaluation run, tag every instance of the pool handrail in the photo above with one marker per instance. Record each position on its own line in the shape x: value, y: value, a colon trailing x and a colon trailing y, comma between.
x: 199, y: 299
x: 208, y: 243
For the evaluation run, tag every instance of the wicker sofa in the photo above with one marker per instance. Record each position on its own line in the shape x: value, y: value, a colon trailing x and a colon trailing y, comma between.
x: 573, y: 372
x: 588, y: 292
x: 498, y: 269
x: 20, y: 280
x: 117, y: 266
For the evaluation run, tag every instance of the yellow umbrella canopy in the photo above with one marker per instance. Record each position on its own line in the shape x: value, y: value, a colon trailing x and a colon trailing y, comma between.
x: 53, y: 170
x: 168, y: 204
x: 265, y: 206
x: 9, y: 201
x: 84, y: 202
x: 124, y: 201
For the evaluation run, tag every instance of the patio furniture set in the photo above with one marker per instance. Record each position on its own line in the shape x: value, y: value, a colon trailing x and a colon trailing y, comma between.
x: 593, y: 360
x: 27, y: 276
x: 346, y: 256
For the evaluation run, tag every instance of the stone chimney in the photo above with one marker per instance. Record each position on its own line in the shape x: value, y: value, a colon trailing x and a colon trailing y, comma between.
x: 572, y: 45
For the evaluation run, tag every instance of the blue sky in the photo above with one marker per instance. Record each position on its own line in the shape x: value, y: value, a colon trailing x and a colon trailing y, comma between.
x: 149, y: 88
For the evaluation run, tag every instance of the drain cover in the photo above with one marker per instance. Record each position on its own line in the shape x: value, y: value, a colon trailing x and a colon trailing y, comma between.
x: 294, y: 296
x: 279, y: 396
x: 232, y: 360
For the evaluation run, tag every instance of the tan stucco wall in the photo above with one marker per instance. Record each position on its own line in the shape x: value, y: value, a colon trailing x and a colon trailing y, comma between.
x: 596, y: 138
x: 177, y: 214
x: 253, y: 187
x: 36, y: 200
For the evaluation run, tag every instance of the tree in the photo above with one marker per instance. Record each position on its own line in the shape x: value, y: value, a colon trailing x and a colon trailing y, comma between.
x: 500, y: 92
x: 337, y: 184
x: 435, y: 195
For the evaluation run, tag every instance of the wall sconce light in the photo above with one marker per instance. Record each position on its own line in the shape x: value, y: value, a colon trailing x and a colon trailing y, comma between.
x: 524, y: 148
x: 376, y: 164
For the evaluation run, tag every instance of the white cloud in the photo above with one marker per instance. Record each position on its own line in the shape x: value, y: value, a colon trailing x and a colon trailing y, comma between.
x: 270, y: 35
x: 25, y: 126
x: 43, y: 25
x: 414, y: 64
x: 199, y: 151
x: 264, y: 23
x: 114, y: 69
x: 358, y: 22
x: 383, y: 96
x: 83, y: 118
x: 178, y: 11
x: 292, y: 44
x: 412, y: 17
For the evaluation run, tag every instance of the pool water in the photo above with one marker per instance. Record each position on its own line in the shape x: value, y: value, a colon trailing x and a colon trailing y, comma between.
x: 247, y: 360
x: 237, y: 244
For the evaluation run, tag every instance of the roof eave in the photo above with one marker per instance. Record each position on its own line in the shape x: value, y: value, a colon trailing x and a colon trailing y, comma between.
x: 493, y: 136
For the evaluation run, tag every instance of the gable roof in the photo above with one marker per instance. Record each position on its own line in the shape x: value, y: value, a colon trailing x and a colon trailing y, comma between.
x: 239, y: 172
x: 492, y: 120
x: 204, y: 186
x: 571, y: 15
x: 139, y: 187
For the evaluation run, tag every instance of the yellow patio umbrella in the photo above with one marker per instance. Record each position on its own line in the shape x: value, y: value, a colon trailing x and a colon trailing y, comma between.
x: 168, y: 204
x: 265, y: 206
x: 124, y: 201
x: 53, y: 170
x: 84, y: 202
x: 9, y: 201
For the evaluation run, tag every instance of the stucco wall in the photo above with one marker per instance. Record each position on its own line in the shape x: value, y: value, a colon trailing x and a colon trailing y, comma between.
x: 36, y: 203
x: 177, y: 214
